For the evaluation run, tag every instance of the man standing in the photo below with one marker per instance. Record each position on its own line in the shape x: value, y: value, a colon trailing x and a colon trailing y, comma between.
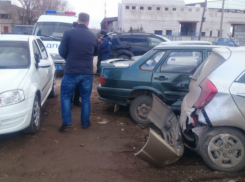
x: 77, y: 47
x: 105, y: 48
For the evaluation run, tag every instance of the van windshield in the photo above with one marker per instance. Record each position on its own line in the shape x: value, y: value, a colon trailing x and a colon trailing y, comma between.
x: 51, y: 30
x: 14, y: 55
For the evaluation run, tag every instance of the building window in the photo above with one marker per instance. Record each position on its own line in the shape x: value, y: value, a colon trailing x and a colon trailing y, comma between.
x: 174, y: 9
x: 127, y: 7
x: 204, y: 34
x: 5, y: 16
x: 158, y: 8
x: 190, y: 9
x: 182, y: 9
x: 141, y: 8
x: 169, y: 32
x: 149, y: 8
x: 166, y: 9
x: 211, y: 33
x: 133, y: 7
x: 158, y: 32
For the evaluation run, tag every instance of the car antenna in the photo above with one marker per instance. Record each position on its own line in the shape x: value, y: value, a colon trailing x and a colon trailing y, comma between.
x: 232, y: 41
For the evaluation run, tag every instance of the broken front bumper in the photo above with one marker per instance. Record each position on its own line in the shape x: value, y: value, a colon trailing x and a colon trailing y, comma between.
x: 158, y: 150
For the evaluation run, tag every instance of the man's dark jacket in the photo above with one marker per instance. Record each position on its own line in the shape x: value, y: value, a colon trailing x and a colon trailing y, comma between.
x: 78, y: 47
x: 105, y: 46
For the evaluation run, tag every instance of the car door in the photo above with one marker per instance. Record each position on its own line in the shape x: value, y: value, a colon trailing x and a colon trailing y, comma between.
x: 138, y: 45
x: 172, y: 76
x: 237, y: 91
x: 42, y: 73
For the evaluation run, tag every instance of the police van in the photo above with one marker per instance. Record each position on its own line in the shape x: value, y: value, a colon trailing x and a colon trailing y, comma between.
x: 50, y: 28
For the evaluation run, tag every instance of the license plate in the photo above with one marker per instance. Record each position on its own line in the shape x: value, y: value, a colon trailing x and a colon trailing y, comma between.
x: 59, y: 67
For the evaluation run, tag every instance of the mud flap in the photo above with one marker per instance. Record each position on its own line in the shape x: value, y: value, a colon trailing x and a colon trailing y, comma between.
x: 158, y: 150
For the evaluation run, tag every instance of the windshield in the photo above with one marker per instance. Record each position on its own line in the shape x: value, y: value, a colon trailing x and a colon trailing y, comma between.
x: 51, y: 30
x: 14, y: 54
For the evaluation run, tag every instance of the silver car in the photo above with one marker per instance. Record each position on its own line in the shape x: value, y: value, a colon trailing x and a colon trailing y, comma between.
x: 212, y: 120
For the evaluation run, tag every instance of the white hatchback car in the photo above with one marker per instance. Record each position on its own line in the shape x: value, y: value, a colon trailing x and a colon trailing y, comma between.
x: 27, y: 75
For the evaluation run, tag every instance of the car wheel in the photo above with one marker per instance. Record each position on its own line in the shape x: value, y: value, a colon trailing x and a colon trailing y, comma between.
x: 140, y: 108
x: 223, y: 149
x: 35, y: 119
x: 124, y: 56
x: 53, y: 91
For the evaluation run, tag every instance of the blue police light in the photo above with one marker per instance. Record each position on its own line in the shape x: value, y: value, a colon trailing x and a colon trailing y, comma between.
x: 51, y: 12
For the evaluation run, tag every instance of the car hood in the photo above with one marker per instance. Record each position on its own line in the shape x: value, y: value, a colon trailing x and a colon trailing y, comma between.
x: 11, y: 78
x: 167, y: 147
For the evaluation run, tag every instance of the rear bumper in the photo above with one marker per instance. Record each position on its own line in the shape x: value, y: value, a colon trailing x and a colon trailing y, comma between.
x: 113, y: 95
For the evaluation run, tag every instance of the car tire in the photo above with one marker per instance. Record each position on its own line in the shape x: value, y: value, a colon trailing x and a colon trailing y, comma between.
x: 35, y: 123
x: 53, y: 91
x: 139, y: 109
x: 223, y: 149
x: 124, y: 56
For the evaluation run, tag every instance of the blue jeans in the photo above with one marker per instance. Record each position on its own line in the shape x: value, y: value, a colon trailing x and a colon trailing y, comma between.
x: 68, y: 86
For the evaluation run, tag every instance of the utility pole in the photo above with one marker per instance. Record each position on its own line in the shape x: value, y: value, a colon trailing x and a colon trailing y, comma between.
x: 105, y: 8
x: 221, y: 22
x: 203, y: 14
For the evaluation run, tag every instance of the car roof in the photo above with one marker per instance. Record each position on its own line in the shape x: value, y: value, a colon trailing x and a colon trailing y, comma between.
x: 171, y: 46
x: 125, y: 33
x: 57, y: 18
x: 16, y: 37
x: 186, y: 43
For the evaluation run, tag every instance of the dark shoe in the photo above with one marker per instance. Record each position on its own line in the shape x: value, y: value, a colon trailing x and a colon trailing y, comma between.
x: 64, y: 127
x: 85, y: 127
x: 77, y: 103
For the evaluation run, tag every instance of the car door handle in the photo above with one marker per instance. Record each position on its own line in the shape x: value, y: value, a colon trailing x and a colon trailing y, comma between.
x: 161, y: 78
x: 241, y: 95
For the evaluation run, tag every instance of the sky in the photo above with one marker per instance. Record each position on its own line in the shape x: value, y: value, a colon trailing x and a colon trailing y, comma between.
x: 96, y: 8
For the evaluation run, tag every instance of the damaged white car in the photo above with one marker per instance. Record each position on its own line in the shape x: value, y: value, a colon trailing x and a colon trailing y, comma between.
x: 212, y: 121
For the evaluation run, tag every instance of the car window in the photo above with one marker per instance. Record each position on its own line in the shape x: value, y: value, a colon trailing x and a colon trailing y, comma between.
x: 209, y: 53
x: 137, y: 40
x: 221, y: 40
x: 154, y: 41
x: 241, y: 79
x: 182, y: 62
x: 226, y: 40
x: 115, y: 42
x: 14, y: 54
x: 43, y: 50
x: 124, y: 40
x: 151, y: 63
x: 36, y: 51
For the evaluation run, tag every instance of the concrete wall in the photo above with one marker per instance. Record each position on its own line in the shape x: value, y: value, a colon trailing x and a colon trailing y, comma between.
x: 152, y: 20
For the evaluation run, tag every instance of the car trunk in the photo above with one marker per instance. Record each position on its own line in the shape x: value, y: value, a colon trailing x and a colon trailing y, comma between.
x: 167, y: 147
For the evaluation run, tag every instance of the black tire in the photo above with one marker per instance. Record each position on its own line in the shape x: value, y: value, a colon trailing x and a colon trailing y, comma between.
x: 35, y: 124
x: 224, y: 144
x: 123, y: 56
x: 139, y: 109
x: 53, y: 91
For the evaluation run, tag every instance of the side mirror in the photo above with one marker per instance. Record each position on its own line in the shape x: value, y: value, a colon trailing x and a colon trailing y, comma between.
x: 44, y: 63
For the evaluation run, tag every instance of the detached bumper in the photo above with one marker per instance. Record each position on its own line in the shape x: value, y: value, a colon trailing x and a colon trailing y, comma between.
x: 113, y: 95
x: 16, y: 117
x: 159, y: 152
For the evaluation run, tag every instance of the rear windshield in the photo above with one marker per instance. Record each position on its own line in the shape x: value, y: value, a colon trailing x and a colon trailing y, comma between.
x: 14, y: 54
x: 208, y: 66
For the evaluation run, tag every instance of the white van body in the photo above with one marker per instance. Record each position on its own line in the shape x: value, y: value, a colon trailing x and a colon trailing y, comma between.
x: 50, y: 28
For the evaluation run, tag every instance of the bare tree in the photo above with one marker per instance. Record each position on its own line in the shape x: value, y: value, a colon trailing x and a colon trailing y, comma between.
x: 31, y: 9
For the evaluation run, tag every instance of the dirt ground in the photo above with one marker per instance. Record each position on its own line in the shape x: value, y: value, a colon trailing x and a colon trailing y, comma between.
x: 101, y: 153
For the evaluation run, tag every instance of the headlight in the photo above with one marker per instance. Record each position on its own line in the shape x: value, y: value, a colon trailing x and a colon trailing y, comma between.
x: 11, y: 97
x: 56, y: 57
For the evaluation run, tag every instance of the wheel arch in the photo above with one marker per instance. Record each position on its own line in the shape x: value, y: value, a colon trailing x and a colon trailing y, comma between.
x: 145, y: 91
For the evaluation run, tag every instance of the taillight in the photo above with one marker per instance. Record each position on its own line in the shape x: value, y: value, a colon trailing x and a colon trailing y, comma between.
x: 207, y: 94
x: 102, y: 80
